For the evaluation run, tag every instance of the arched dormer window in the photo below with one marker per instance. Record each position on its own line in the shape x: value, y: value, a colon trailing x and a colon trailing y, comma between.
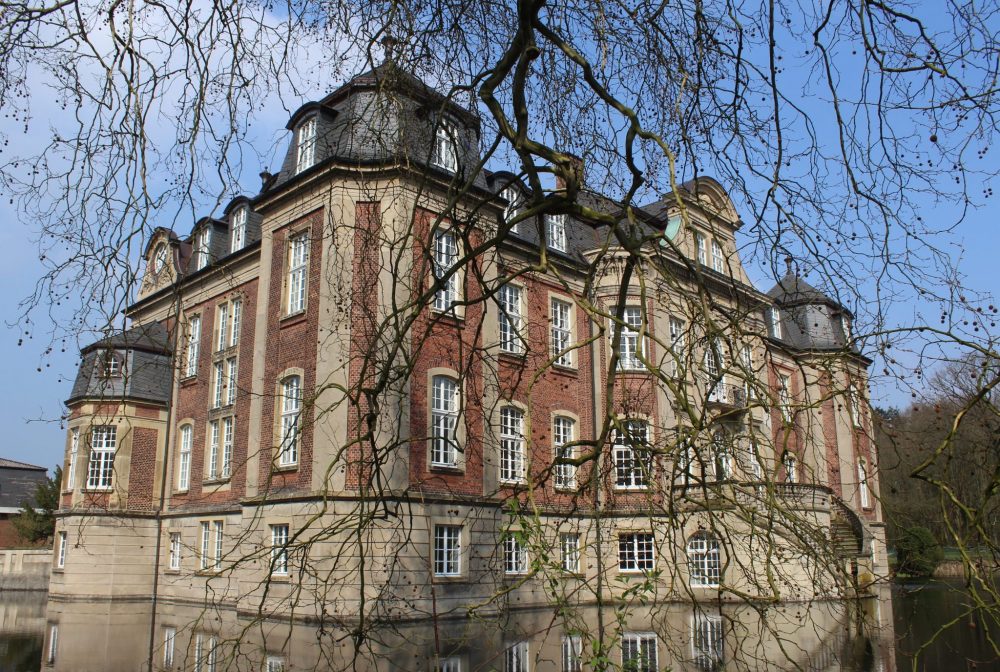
x: 445, y: 146
x: 202, y: 246
x: 704, y: 560
x: 305, y: 143
x: 513, y: 196
x: 238, y: 228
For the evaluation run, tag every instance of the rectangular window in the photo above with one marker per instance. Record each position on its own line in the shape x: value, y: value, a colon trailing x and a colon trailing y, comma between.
x: 774, y: 319
x: 699, y: 241
x: 562, y: 332
x: 572, y: 653
x: 53, y: 643
x: 718, y: 261
x: 222, y: 328
x: 863, y: 490
x: 639, y: 652
x: 750, y: 375
x: 218, y: 544
x: 169, y: 637
x: 298, y: 261
x: 633, y: 462
x: 230, y: 381
x: 218, y: 384
x: 306, y: 155
x: 275, y: 664
x: 445, y: 258
x: 631, y: 348
x: 202, y: 246
x: 635, y: 552
x: 184, y: 459
x: 444, y: 419
x: 213, y: 449
x: 100, y: 471
x: 785, y: 397
x: 447, y: 550
x: 791, y: 466
x: 206, y: 539
x: 175, y: 551
x: 446, y: 146
x: 556, y: 231
x: 569, y: 552
x: 515, y: 657
x: 677, y: 346
x: 511, y: 319
x: 707, y: 640
x: 237, y: 314
x: 512, y: 195
x: 227, y: 446
x: 291, y: 410
x: 854, y: 406
x: 194, y: 341
x: 515, y: 555
x: 511, y: 445
x: 61, y: 550
x: 74, y: 450
x: 449, y: 664
x: 562, y: 434
x: 279, y: 550
x: 238, y: 226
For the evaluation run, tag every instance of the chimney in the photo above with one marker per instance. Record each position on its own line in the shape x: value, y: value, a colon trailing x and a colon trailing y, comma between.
x: 265, y: 178
x: 576, y: 166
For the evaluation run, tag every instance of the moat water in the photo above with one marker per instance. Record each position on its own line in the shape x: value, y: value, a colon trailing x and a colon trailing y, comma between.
x: 930, y: 620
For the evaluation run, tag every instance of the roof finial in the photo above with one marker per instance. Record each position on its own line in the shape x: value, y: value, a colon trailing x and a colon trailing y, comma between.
x: 389, y: 47
x: 788, y: 264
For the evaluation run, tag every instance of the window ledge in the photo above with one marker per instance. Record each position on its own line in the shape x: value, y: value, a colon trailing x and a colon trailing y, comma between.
x: 183, y: 491
x: 173, y: 572
x: 451, y: 314
x: 446, y: 468
x: 293, y: 318
x: 282, y: 468
x: 519, y: 355
x: 565, y: 369
x: 99, y: 491
x: 573, y: 489
x: 220, y: 480
x: 280, y: 578
x: 450, y: 578
x: 189, y: 380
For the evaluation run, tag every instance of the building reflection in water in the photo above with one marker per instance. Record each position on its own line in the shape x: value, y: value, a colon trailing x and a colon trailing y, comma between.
x: 794, y: 636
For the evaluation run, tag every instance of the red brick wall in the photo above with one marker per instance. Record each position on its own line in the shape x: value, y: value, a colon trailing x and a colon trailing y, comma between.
x: 142, y: 470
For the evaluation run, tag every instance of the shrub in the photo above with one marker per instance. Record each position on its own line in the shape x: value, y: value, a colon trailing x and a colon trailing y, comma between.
x: 917, y: 552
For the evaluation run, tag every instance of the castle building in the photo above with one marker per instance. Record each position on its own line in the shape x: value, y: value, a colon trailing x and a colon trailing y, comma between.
x: 395, y: 385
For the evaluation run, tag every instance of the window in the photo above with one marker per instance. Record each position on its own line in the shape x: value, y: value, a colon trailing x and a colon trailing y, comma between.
x: 213, y: 449
x: 291, y: 406
x: 110, y: 364
x: 227, y: 446
x: 722, y: 460
x: 512, y: 195
x: 102, y: 457
x: 791, y: 468
x: 511, y: 445
x: 515, y: 657
x: 863, y: 491
x: 222, y: 328
x: 230, y: 381
x: 511, y: 320
x: 515, y: 555
x: 160, y: 256
x: 699, y: 243
x: 444, y: 420
x: 635, y: 552
x: 169, y: 637
x: 449, y: 664
x: 202, y: 245
x: 194, y: 341
x: 279, y: 550
x: 630, y: 348
x: 774, y: 319
x: 713, y: 361
x: 845, y: 327
x: 562, y: 332
x: 445, y: 258
x: 718, y: 261
x: 218, y: 544
x: 707, y: 641
x: 677, y: 345
x: 569, y: 552
x: 74, y: 450
x: 704, y: 564
x: 206, y: 539
x: 572, y: 653
x: 447, y: 550
x: 218, y: 384
x: 298, y: 260
x: 238, y: 227
x: 631, y: 456
x: 639, y: 652
x: 61, y: 550
x: 275, y: 664
x: 556, y: 232
x: 211, y: 556
x: 749, y: 374
x: 53, y: 643
x: 445, y: 146
x: 785, y: 397
x: 562, y: 434
x: 175, y: 551
x: 306, y: 155
x: 854, y: 406
x: 234, y: 332
x: 184, y: 459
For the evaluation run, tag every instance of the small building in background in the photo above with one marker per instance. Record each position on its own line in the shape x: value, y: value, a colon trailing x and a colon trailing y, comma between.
x: 18, y: 481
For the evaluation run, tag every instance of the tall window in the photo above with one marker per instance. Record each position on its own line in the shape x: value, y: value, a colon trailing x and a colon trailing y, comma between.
x: 275, y: 664
x: 74, y: 450
x: 279, y: 550
x: 718, y: 261
x: 511, y: 445
x: 572, y: 653
x: 306, y: 139
x: 238, y: 228
x: 218, y: 384
x: 445, y: 258
x: 635, y: 552
x: 699, y: 243
x: 785, y: 397
x: 291, y: 407
x: 447, y: 550
x: 298, y: 261
x: 445, y: 146
x: 562, y: 332
x: 722, y: 459
x: 111, y: 365
x: 202, y: 246
x: 556, y: 232
x: 569, y: 552
x: 184, y: 459
x: 707, y: 640
x: 639, y: 652
x: 222, y: 328
x: 169, y: 637
x: 234, y: 332
x: 854, y: 407
x: 845, y: 327
x: 562, y: 434
x: 750, y: 374
x: 444, y: 421
x: 515, y: 657
x: 227, y: 446
x: 53, y: 642
x: 631, y: 348
x: 631, y: 456
x: 515, y: 554
x: 677, y: 345
x: 194, y: 341
x: 774, y: 319
x: 217, y: 559
x: 791, y: 468
x: 175, y: 551
x: 100, y: 471
x: 61, y: 550
x: 206, y: 539
x: 512, y: 195
x: 213, y: 450
x: 704, y: 564
x: 230, y: 381
x: 511, y: 319
x: 863, y: 491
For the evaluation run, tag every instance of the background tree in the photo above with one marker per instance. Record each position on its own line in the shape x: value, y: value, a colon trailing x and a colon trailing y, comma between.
x: 36, y: 522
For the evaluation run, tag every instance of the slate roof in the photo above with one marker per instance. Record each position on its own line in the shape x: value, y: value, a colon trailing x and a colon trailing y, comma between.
x: 792, y: 290
x: 144, y: 356
x: 17, y: 483
x: 6, y: 463
x: 151, y: 337
x: 810, y: 320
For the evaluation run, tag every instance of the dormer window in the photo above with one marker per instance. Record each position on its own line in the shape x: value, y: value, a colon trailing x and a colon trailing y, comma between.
x: 111, y: 367
x: 556, y: 232
x: 446, y: 146
x: 159, y: 259
x: 306, y: 138
x: 699, y: 243
x: 845, y: 326
x: 718, y: 261
x: 202, y: 242
x: 512, y: 195
x: 238, y: 227
x: 774, y: 317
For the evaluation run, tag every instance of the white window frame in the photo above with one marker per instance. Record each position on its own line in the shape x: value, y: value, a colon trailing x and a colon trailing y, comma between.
x: 74, y: 451
x: 561, y: 331
x: 103, y: 446
x: 169, y: 638
x: 555, y: 231
x: 707, y: 640
x: 445, y: 146
x: 632, y: 345
x: 193, y: 345
x: 447, y: 545
x: 222, y: 326
x: 291, y: 421
x: 864, y: 490
x: 279, y: 549
x: 515, y: 554
x: 636, y: 552
x: 60, y: 550
x: 236, y: 314
x: 206, y: 539
x: 722, y: 458
x: 110, y: 364
x: 569, y: 552
x: 785, y: 397
x: 238, y: 229
x: 512, y: 195
x: 572, y: 653
x: 515, y: 657
x: 510, y: 301
x: 218, y: 383
x: 228, y: 433
x: 630, y: 473
x: 214, y: 441
x: 219, y: 528
x: 512, y: 445
x: 774, y: 319
x: 564, y: 432
x: 184, y: 457
x: 231, y: 373
x: 854, y: 406
x: 677, y: 344
x: 701, y: 247
x: 445, y: 257
x: 298, y: 272
x: 53, y: 643
x: 791, y: 465
x: 305, y: 144
x: 704, y: 559
x: 275, y: 664
x: 202, y: 247
x: 640, y: 652
x: 445, y: 403
x: 718, y: 260
x: 174, y: 561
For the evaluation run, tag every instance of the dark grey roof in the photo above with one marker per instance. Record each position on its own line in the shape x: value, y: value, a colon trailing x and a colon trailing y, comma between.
x: 18, y: 482
x: 151, y: 337
x: 145, y: 365
x: 810, y: 320
x: 6, y: 463
x: 793, y: 290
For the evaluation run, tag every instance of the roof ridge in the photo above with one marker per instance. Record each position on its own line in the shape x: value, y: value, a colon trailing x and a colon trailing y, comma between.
x: 8, y: 463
